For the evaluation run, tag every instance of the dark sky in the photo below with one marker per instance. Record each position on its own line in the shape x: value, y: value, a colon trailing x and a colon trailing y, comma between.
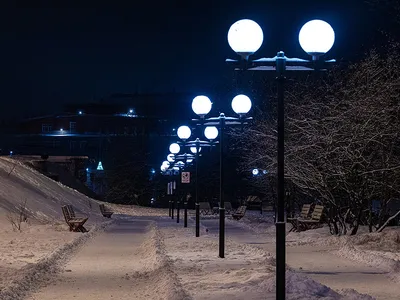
x: 59, y: 53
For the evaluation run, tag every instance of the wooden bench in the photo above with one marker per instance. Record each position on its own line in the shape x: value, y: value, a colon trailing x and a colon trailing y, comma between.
x: 228, y: 207
x: 205, y: 208
x: 253, y: 202
x: 75, y: 224
x: 314, y: 222
x: 304, y: 215
x: 239, y: 213
x: 105, y: 211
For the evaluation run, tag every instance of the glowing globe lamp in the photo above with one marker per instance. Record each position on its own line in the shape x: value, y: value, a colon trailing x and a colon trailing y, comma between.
x: 245, y: 37
x: 316, y: 37
x: 171, y: 157
x: 241, y: 104
x: 255, y: 172
x: 211, y: 132
x: 201, y: 105
x: 174, y: 148
x: 184, y: 132
x: 194, y: 149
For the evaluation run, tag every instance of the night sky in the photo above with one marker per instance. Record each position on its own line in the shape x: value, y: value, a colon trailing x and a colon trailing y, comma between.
x: 55, y: 54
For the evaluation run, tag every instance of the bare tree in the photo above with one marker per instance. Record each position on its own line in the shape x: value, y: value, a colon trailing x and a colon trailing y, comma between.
x: 19, y: 216
x: 342, y: 141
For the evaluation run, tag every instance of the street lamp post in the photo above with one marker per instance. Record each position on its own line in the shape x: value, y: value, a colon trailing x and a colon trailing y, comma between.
x: 201, y: 105
x: 184, y: 133
x: 316, y: 38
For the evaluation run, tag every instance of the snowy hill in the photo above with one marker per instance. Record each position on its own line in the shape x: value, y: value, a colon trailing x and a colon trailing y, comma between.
x: 44, y: 196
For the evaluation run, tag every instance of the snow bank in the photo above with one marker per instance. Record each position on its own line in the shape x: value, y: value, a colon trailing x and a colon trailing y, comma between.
x: 157, y: 268
x: 246, y: 272
x: 35, y: 274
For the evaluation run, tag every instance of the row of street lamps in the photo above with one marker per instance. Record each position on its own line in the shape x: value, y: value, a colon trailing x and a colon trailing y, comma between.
x: 245, y: 37
x: 201, y: 105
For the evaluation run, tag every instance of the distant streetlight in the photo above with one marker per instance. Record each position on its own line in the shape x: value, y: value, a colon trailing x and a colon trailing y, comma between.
x: 171, y: 157
x: 184, y: 132
x: 174, y: 148
x: 245, y: 37
x: 195, y: 150
x: 201, y: 105
x: 255, y: 172
x: 211, y: 132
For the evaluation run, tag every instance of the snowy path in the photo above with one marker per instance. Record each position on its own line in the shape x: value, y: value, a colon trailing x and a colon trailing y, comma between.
x: 100, y: 270
x: 319, y: 264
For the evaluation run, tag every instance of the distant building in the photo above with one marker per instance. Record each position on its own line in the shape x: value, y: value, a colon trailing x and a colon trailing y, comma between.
x: 94, y: 129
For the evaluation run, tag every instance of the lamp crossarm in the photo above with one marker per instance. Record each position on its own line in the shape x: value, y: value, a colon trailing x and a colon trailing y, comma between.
x: 292, y: 64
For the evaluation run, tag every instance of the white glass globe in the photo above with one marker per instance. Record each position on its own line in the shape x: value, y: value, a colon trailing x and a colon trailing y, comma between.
x: 255, y: 172
x: 166, y: 163
x: 174, y: 148
x: 180, y: 164
x: 316, y: 37
x: 171, y: 157
x: 211, y: 132
x: 201, y: 105
x: 163, y: 168
x: 184, y: 132
x: 194, y: 150
x: 241, y: 104
x: 245, y: 37
x: 189, y: 160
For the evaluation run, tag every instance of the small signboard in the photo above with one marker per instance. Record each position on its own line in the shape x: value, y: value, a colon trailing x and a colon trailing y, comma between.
x: 185, y: 177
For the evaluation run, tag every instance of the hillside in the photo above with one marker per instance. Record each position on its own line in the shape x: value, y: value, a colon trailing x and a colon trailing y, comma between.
x: 44, y: 196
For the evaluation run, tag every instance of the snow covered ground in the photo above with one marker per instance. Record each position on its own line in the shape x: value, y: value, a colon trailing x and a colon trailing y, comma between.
x: 143, y: 254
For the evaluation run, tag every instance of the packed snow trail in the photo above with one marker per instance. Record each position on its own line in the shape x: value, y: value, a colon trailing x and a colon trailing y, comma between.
x: 319, y: 264
x: 120, y: 263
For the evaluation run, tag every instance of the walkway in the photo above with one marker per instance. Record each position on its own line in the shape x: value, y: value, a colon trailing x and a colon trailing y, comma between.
x: 319, y: 264
x: 100, y: 269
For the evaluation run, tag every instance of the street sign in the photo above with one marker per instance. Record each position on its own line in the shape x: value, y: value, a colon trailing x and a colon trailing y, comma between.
x: 185, y: 177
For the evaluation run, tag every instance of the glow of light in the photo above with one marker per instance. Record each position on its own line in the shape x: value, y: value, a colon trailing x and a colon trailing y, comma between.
x: 174, y: 148
x: 194, y: 150
x: 245, y: 37
x: 171, y: 157
x: 255, y: 172
x: 316, y: 37
x: 100, y: 166
x: 184, y: 132
x: 201, y: 105
x: 241, y: 104
x: 211, y: 132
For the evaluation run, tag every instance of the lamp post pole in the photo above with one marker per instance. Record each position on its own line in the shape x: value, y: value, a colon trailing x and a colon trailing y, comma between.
x: 280, y: 223
x: 221, y: 189
x: 185, y: 214
x: 241, y: 105
x: 177, y: 209
x: 245, y: 37
x: 197, y: 205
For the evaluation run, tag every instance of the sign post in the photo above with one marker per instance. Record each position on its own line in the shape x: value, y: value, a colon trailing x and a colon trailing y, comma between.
x: 185, y: 177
